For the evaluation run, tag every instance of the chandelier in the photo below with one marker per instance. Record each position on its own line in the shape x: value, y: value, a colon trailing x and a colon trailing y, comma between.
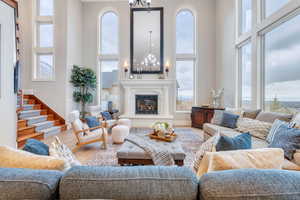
x: 142, y: 3
x: 150, y: 59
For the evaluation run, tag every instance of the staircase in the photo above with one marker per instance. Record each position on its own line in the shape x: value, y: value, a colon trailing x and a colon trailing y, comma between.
x: 36, y: 120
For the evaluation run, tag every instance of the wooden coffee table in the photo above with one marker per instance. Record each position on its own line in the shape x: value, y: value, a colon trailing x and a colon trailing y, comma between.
x: 130, y: 154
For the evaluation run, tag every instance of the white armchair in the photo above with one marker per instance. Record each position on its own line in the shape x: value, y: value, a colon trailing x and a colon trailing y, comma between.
x: 86, y: 135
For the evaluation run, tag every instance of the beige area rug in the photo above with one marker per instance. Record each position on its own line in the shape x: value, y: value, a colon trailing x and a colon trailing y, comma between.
x: 92, y: 155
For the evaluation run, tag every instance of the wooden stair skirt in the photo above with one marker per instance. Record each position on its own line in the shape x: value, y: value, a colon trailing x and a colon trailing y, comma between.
x: 36, y: 120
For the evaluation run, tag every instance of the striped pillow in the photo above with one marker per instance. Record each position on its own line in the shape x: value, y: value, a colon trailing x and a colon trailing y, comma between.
x: 208, y: 146
x: 275, y: 126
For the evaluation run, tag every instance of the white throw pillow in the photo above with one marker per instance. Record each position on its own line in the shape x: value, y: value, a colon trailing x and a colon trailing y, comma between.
x: 61, y: 151
x: 208, y: 146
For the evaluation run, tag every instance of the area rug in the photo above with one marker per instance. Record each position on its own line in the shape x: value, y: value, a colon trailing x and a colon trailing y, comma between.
x: 92, y: 155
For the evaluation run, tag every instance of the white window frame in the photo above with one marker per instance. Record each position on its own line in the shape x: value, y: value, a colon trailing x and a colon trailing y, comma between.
x: 260, y: 26
x: 187, y: 57
x: 36, y: 50
x: 106, y: 57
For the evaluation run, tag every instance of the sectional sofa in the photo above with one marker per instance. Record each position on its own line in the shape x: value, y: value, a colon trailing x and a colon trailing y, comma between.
x: 148, y: 183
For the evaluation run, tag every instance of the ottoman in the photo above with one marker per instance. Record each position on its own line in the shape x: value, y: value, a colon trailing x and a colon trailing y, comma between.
x: 130, y: 154
x: 119, y: 133
x: 125, y: 122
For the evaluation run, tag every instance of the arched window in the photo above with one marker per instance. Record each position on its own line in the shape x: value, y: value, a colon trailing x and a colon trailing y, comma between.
x: 185, y: 60
x: 109, y: 60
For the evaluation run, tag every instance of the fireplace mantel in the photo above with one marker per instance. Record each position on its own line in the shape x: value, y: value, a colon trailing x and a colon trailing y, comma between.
x: 162, y: 88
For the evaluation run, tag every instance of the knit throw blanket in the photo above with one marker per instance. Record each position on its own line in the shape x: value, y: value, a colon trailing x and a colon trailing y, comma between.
x: 159, y: 153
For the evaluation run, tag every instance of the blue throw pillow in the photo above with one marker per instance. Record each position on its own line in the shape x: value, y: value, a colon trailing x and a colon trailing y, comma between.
x: 36, y: 147
x: 92, y: 121
x: 286, y: 138
x: 242, y: 141
x: 229, y: 120
x: 106, y: 115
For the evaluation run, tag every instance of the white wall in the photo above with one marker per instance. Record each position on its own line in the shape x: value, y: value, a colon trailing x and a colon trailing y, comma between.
x: 7, y: 60
x: 225, y: 50
x: 205, y: 13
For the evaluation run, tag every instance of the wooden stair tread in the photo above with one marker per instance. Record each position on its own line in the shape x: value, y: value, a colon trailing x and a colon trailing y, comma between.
x: 25, y: 128
x: 25, y: 137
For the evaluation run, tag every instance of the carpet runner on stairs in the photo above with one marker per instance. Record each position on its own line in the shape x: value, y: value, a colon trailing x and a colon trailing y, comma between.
x: 36, y: 120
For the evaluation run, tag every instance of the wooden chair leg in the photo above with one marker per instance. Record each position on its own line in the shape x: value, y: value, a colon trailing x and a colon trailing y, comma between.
x: 104, y: 139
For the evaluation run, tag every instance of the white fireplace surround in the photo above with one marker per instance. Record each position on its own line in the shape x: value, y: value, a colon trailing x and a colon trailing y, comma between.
x: 161, y: 88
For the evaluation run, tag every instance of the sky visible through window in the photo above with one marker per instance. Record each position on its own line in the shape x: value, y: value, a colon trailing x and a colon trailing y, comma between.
x: 109, y: 34
x: 272, y: 6
x: 282, y: 65
x: 46, y: 7
x: 46, y: 35
x: 185, y: 33
x: 246, y: 15
x: 46, y: 66
x: 246, y: 75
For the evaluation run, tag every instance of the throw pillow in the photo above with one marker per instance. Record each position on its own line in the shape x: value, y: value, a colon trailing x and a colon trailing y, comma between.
x: 256, y: 128
x: 288, y: 139
x: 278, y: 123
x: 61, y: 151
x: 208, y: 146
x: 218, y: 117
x: 13, y: 158
x: 252, y: 114
x: 242, y: 141
x: 242, y: 159
x: 92, y: 121
x: 229, y: 120
x: 270, y: 117
x: 106, y: 115
x: 36, y: 147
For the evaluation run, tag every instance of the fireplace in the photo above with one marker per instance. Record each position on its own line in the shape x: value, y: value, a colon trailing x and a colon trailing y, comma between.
x: 146, y: 104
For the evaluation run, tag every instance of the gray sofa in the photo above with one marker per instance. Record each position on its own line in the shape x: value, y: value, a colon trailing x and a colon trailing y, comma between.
x: 148, y: 183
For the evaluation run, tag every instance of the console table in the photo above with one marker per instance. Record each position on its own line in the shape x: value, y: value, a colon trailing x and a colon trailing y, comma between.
x: 202, y: 115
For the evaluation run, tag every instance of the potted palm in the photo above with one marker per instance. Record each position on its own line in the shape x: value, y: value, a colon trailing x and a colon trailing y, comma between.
x: 84, y: 81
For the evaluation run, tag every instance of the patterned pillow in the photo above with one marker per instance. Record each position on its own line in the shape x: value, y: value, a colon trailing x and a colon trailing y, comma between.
x: 60, y: 150
x: 276, y: 125
x: 287, y: 139
x: 218, y: 117
x: 229, y: 120
x: 208, y: 146
x: 256, y: 128
x: 252, y: 114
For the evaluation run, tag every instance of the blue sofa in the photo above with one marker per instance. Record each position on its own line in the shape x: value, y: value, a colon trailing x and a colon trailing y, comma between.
x: 148, y: 183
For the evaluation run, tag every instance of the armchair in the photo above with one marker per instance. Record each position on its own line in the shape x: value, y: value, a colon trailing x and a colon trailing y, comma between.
x: 86, y: 135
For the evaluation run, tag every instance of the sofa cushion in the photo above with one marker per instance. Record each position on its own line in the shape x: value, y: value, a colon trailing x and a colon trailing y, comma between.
x: 129, y: 183
x: 212, y: 129
x: 255, y: 127
x: 242, y: 141
x: 270, y: 117
x: 259, y: 184
x: 288, y: 139
x: 29, y: 184
x: 252, y: 114
x: 229, y: 120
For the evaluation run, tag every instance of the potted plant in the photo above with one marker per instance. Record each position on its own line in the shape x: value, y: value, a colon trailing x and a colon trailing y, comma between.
x: 84, y: 81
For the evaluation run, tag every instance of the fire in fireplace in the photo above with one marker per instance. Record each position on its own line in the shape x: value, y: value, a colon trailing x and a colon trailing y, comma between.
x: 146, y: 104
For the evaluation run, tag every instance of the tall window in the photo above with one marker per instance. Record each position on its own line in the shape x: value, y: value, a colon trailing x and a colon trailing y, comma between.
x: 185, y: 60
x: 272, y: 6
x: 44, y: 41
x: 282, y: 67
x: 246, y: 76
x: 246, y: 14
x: 109, y: 60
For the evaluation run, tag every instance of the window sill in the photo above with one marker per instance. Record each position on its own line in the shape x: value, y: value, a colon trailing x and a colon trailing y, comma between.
x: 183, y: 112
x: 43, y: 80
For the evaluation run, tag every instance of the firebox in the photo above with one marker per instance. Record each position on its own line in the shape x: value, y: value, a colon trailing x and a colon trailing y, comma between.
x: 146, y: 104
